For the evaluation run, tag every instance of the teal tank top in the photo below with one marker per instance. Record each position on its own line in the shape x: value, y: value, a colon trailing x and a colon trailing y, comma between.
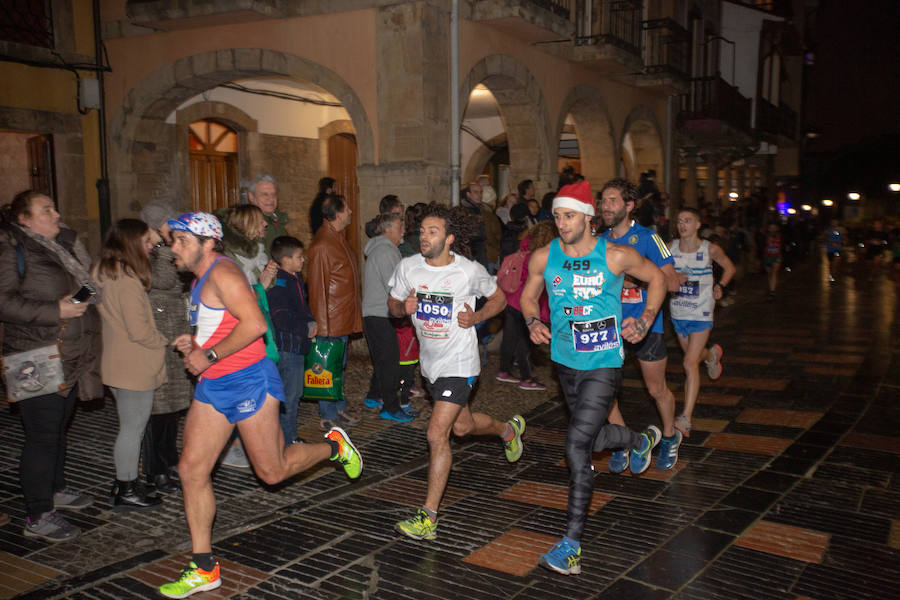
x: 585, y: 308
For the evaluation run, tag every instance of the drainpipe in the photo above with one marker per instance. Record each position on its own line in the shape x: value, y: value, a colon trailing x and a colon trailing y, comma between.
x: 670, y: 145
x: 103, y: 182
x: 454, y: 103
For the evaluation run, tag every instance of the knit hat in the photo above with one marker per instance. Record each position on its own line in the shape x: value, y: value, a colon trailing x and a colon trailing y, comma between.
x: 576, y: 196
x: 157, y: 212
x: 198, y: 223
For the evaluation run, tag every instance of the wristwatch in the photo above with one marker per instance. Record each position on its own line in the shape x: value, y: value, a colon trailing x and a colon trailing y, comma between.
x: 211, y: 355
x: 530, y: 320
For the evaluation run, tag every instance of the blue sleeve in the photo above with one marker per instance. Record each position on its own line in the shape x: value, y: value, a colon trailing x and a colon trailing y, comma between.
x: 656, y: 250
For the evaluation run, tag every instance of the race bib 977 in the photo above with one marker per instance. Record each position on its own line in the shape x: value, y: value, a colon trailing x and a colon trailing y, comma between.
x: 595, y: 336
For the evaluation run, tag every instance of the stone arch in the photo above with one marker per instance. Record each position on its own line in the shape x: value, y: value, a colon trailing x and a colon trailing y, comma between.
x: 524, y: 114
x: 594, y: 130
x: 143, y: 162
x: 481, y: 157
x: 642, y: 144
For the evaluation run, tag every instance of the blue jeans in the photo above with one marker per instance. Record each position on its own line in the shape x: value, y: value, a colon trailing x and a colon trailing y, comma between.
x: 328, y: 409
x: 290, y: 367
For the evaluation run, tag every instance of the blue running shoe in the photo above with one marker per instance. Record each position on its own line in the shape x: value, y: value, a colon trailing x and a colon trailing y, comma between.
x: 668, y: 452
x: 399, y: 416
x: 564, y: 557
x: 373, y: 403
x: 618, y: 461
x: 640, y: 457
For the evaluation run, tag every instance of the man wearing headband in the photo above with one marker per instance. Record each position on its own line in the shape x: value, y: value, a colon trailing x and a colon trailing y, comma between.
x: 237, y: 385
x: 583, y: 278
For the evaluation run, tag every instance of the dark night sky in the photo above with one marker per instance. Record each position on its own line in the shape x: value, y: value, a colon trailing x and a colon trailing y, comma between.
x: 854, y: 87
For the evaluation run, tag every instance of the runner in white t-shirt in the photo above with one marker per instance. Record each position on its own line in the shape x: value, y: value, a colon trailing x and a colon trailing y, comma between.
x: 438, y: 289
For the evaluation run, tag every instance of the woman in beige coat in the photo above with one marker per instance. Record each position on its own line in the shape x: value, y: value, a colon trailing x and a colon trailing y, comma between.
x: 133, y: 362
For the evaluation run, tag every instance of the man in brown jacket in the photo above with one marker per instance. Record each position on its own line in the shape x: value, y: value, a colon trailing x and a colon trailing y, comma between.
x: 334, y: 294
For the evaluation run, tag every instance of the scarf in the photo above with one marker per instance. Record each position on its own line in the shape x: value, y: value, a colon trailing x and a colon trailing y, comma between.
x: 77, y: 262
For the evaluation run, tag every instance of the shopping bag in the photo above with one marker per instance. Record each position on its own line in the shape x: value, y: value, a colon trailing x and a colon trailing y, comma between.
x: 323, y: 376
x: 269, y: 336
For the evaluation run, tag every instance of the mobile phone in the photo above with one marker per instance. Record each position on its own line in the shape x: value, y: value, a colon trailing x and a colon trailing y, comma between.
x: 83, y: 295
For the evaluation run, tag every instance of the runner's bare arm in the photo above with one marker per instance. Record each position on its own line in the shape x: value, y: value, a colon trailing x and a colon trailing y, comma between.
x: 401, y: 308
x: 531, y: 295
x: 495, y: 303
x: 228, y: 287
x: 624, y: 259
x: 673, y: 279
x: 720, y: 258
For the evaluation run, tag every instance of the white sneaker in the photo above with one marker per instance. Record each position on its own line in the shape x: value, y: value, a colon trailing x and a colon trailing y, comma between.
x: 236, y: 457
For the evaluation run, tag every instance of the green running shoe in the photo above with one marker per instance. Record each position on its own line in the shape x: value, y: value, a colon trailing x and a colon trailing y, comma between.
x: 514, y: 446
x: 419, y: 527
x: 347, y: 455
x: 192, y: 580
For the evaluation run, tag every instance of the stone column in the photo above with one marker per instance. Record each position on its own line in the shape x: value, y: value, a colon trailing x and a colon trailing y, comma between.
x: 412, y: 52
x: 712, y: 182
x: 690, y: 184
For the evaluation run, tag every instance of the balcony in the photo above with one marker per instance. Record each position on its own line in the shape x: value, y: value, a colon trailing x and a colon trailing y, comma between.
x: 528, y: 20
x: 715, y: 117
x: 607, y: 36
x: 775, y: 121
x: 667, y: 56
x: 178, y: 14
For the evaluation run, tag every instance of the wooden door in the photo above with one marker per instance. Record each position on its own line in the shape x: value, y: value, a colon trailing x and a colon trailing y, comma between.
x: 214, y: 166
x: 342, y: 167
x: 40, y: 165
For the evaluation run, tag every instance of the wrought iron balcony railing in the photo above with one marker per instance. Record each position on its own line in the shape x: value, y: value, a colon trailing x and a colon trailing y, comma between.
x: 667, y: 47
x: 616, y: 22
x: 27, y: 22
x: 777, y: 120
x: 712, y: 98
x: 563, y: 8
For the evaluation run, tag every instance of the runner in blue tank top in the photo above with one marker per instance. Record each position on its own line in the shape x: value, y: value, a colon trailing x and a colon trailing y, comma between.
x: 583, y: 277
x: 617, y: 201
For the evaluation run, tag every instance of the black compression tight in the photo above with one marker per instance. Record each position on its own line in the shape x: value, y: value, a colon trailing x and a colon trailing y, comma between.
x: 589, y: 395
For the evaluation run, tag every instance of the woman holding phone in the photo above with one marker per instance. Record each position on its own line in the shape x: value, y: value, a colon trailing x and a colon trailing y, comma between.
x: 133, y: 363
x: 42, y: 265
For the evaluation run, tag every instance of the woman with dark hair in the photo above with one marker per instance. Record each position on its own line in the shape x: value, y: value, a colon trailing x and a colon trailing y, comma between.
x: 326, y: 188
x: 42, y: 265
x: 168, y: 300
x: 133, y: 363
x: 413, y: 220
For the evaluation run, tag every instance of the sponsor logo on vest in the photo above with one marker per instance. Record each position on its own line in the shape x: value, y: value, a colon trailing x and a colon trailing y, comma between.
x: 587, y: 286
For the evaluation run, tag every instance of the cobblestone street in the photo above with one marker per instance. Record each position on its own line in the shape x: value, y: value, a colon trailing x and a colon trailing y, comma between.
x: 788, y: 488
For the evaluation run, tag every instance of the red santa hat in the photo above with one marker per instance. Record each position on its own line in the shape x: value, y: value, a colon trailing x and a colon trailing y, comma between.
x: 576, y: 196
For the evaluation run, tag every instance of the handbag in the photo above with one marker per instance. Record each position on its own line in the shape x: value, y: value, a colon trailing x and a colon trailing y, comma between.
x: 323, y: 375
x: 35, y: 372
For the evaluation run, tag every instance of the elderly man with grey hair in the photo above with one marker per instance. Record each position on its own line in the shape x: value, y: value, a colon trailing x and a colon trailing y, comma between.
x: 263, y: 192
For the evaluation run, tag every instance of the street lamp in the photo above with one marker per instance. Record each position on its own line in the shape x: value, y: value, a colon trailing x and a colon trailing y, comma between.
x: 733, y: 196
x: 806, y: 207
x: 792, y: 211
x: 853, y: 195
x: 894, y: 187
x: 827, y: 202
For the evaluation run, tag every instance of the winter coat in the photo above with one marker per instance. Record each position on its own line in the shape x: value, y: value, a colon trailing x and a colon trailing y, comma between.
x: 133, y: 348
x: 333, y: 281
x: 382, y: 257
x: 169, y: 304
x: 29, y: 308
x: 250, y: 255
x: 289, y: 307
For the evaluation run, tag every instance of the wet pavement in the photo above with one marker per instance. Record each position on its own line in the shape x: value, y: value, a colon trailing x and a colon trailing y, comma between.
x: 788, y: 488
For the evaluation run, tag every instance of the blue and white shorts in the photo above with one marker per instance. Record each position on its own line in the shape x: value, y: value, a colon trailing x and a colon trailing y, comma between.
x: 685, y: 328
x: 241, y: 394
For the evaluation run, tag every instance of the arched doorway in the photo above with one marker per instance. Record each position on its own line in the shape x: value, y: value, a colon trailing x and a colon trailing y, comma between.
x: 586, y: 118
x: 522, y: 117
x: 342, y: 156
x: 214, y: 165
x: 642, y: 148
